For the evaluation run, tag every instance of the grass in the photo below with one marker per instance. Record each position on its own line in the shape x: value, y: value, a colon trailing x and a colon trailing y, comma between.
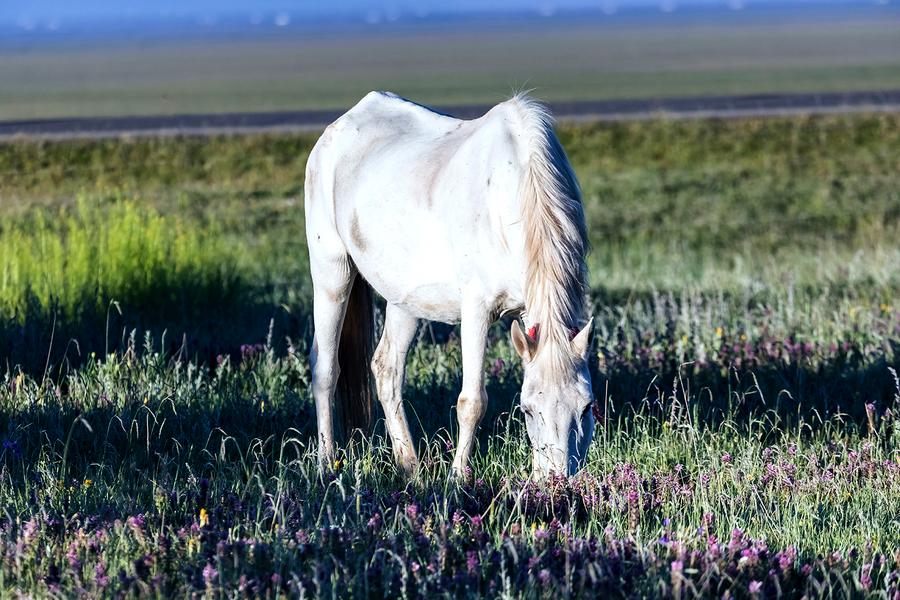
x: 96, y: 267
x: 159, y: 478
x: 74, y: 263
x: 744, y: 286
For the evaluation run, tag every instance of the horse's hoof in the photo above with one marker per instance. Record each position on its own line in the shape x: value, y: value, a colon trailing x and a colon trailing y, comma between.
x: 460, y: 475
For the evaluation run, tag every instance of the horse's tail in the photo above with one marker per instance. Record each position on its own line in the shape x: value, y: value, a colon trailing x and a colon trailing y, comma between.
x: 354, y: 385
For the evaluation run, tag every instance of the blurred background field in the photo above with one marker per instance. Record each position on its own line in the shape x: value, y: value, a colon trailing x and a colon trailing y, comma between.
x: 185, y: 66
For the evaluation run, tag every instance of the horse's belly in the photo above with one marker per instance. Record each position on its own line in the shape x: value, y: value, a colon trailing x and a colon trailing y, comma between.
x: 424, y: 298
x: 415, y: 273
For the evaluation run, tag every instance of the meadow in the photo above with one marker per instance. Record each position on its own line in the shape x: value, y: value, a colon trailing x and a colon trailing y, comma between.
x: 155, y: 416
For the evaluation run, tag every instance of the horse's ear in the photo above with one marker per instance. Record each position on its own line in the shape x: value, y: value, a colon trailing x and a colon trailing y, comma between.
x: 524, y: 345
x: 581, y: 343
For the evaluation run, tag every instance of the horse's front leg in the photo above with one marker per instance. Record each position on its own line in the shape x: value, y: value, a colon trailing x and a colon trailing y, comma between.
x: 475, y: 320
x: 389, y: 368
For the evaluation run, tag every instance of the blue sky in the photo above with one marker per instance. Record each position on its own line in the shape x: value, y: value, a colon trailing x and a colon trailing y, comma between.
x: 69, y: 11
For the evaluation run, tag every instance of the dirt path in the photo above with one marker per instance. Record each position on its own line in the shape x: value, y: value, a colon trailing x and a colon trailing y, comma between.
x: 599, y: 110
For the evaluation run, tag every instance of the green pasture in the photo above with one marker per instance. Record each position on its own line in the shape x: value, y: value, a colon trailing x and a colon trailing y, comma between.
x: 156, y: 419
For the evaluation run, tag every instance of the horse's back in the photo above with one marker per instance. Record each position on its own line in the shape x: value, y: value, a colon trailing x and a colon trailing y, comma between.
x: 422, y: 201
x: 386, y: 114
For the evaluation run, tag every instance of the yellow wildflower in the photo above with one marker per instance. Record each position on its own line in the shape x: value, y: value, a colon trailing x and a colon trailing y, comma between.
x: 204, y: 517
x: 719, y: 332
x: 338, y: 464
x: 88, y: 483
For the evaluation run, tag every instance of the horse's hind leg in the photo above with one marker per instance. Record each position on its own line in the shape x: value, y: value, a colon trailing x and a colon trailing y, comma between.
x: 332, y: 282
x: 389, y: 368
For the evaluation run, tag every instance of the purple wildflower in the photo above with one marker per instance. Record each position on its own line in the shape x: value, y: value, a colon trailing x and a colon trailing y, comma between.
x: 457, y: 518
x: 498, y: 367
x: 412, y: 511
x: 471, y: 561
x: 100, y: 575
x: 865, y: 578
x: 72, y: 556
x: 209, y: 574
x: 137, y: 523
x: 249, y: 351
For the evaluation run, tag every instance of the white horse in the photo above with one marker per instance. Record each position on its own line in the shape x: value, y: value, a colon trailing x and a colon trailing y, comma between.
x: 454, y: 221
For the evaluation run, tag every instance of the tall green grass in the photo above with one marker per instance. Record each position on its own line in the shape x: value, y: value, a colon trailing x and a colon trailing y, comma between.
x: 77, y: 262
x: 72, y: 279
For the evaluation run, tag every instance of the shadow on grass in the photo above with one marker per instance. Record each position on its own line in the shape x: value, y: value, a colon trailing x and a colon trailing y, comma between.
x: 145, y: 419
x: 195, y: 323
x: 142, y: 419
x: 240, y: 390
x: 785, y: 394
x: 790, y: 391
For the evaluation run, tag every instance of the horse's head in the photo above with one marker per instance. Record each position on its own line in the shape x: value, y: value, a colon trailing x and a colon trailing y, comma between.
x: 556, y: 399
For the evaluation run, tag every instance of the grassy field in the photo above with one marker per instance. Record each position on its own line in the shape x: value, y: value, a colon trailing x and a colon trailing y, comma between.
x: 156, y: 421
x: 583, y: 59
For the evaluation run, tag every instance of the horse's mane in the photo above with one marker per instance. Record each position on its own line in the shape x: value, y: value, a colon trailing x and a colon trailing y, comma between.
x: 555, y: 234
